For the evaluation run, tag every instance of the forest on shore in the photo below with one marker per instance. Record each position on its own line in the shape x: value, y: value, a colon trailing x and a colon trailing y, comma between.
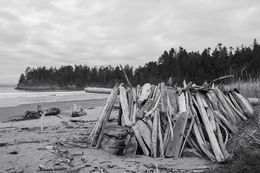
x: 179, y: 64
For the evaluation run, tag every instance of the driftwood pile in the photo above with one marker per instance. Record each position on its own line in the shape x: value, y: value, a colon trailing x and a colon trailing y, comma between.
x: 167, y: 120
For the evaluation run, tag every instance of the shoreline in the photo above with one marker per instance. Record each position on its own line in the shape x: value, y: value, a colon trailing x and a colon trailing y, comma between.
x: 8, y: 113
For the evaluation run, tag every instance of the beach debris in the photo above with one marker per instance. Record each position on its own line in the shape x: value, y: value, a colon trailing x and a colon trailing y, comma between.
x: 52, y: 111
x: 78, y: 111
x: 164, y: 120
x: 29, y: 114
x: 2, y: 144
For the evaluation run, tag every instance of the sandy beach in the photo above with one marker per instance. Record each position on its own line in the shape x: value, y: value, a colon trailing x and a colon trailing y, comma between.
x: 23, y: 147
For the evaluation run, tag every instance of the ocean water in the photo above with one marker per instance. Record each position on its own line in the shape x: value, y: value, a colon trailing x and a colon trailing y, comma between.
x: 11, y: 97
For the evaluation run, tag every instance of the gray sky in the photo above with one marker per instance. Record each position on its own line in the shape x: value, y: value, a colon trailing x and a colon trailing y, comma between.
x: 102, y: 32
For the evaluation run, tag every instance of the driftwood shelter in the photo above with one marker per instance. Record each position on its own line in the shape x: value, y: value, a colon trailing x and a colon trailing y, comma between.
x: 163, y: 121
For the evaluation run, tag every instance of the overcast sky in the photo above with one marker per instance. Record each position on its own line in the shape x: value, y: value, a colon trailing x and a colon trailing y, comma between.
x: 101, y: 32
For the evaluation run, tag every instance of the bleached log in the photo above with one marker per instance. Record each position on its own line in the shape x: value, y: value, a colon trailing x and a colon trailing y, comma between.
x: 254, y: 101
x: 244, y: 104
x: 125, y: 106
x: 146, y: 91
x: 235, y: 103
x: 221, y: 142
x: 155, y: 134
x: 181, y: 103
x: 163, y: 98
x: 240, y: 114
x: 201, y: 142
x: 160, y: 136
x: 212, y: 138
x: 145, y: 132
x: 224, y: 103
x: 231, y: 127
x: 106, y: 111
x: 98, y: 90
x: 174, y: 146
x: 140, y: 140
x: 155, y: 107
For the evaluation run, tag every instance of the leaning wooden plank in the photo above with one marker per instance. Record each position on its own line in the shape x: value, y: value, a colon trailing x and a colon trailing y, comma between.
x: 235, y: 103
x: 166, y: 137
x: 187, y: 135
x: 221, y: 142
x: 209, y: 113
x: 201, y: 143
x: 244, y: 104
x: 130, y: 103
x: 105, y: 112
x: 160, y: 136
x: 140, y: 140
x: 178, y: 132
x: 181, y: 103
x: 191, y: 116
x: 155, y: 133
x: 173, y: 99
x: 163, y: 98
x: 125, y: 106
x: 155, y: 107
x: 107, y: 115
x: 145, y: 132
x: 240, y: 115
x: 212, y: 138
x: 231, y: 127
x: 225, y: 105
x: 134, y: 112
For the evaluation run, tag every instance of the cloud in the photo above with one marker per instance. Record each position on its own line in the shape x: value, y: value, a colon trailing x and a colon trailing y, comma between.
x: 103, y: 32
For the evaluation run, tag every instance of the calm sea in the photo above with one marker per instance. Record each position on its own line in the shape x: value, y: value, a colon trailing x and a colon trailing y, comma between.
x: 12, y: 97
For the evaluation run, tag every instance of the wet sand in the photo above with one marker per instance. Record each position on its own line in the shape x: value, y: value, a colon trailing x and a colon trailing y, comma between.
x: 9, y: 113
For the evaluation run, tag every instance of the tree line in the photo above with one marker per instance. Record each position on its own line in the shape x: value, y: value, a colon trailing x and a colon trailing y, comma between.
x: 179, y: 64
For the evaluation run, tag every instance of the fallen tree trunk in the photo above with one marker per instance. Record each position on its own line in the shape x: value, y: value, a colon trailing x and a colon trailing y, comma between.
x: 98, y: 90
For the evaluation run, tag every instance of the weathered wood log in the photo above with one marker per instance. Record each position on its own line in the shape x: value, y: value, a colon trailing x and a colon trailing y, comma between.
x: 145, y: 132
x: 160, y: 136
x: 98, y: 90
x: 140, y: 140
x: 106, y: 111
x: 240, y: 114
x: 212, y: 138
x: 155, y: 133
x: 244, y: 104
x: 181, y: 103
x: 235, y: 103
x: 201, y: 142
x: 254, y: 101
x: 224, y: 103
x: 221, y: 142
x: 146, y: 91
x: 231, y: 127
x: 178, y: 133
x: 131, y: 104
x: 163, y: 98
x: 125, y: 106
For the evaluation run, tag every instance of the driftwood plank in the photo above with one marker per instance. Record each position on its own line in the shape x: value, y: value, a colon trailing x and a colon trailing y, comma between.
x: 212, y: 138
x: 155, y: 133
x: 105, y: 112
x: 145, y: 133
x: 174, y: 144
x: 140, y: 140
x: 160, y: 137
